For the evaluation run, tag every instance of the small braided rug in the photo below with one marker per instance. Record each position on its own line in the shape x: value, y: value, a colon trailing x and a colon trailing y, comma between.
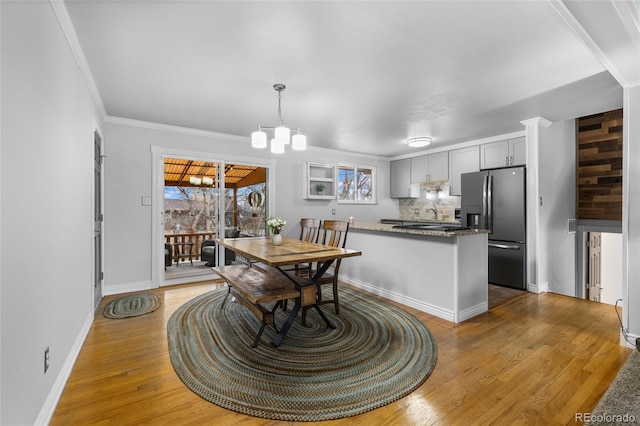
x: 131, y: 306
x: 377, y: 354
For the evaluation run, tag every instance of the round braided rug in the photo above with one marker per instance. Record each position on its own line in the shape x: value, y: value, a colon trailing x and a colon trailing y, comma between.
x: 377, y: 354
x: 131, y: 306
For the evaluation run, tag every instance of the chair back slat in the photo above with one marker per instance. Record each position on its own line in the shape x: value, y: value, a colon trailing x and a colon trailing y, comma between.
x: 310, y: 230
x: 334, y: 233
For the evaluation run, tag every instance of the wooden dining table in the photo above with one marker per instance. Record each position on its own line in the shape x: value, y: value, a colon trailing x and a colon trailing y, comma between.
x: 291, y: 252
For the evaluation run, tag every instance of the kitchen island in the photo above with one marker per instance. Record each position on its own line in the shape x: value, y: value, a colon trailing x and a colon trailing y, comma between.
x: 443, y: 273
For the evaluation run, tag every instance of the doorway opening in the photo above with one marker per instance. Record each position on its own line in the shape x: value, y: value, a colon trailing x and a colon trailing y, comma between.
x: 204, y: 200
x: 601, y: 266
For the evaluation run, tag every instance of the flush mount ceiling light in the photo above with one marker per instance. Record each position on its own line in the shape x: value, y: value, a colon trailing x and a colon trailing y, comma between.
x: 281, y: 134
x: 419, y: 141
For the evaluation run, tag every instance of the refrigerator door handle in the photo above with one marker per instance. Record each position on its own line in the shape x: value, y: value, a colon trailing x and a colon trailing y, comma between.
x: 485, y: 182
x: 490, y: 204
x: 504, y: 246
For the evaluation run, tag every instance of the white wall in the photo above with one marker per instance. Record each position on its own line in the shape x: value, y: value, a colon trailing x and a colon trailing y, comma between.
x: 557, y: 189
x: 128, y: 177
x: 631, y: 208
x: 46, y: 174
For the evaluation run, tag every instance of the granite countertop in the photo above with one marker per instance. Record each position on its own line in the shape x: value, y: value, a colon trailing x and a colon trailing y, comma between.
x: 385, y: 227
x: 443, y: 222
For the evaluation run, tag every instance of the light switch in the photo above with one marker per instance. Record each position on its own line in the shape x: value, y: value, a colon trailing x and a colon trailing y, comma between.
x: 146, y: 201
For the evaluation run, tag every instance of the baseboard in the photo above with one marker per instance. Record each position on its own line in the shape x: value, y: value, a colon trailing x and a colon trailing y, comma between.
x: 473, y: 311
x: 632, y: 340
x: 127, y: 287
x: 538, y: 288
x: 50, y: 404
x: 396, y: 297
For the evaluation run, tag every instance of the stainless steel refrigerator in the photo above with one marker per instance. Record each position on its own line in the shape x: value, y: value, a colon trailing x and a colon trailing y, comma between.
x: 496, y: 200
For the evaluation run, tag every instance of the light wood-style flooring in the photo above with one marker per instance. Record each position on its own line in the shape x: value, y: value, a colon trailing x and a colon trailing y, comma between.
x: 536, y: 359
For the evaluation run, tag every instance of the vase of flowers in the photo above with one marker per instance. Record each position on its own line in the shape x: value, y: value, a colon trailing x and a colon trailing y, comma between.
x: 276, y: 224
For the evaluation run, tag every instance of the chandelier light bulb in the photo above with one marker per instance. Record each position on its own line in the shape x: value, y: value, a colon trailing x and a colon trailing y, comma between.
x: 259, y: 139
x: 282, y: 134
x: 299, y: 142
x: 277, y: 147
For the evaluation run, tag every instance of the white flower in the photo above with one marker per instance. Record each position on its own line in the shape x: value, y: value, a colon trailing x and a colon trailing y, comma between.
x: 276, y: 224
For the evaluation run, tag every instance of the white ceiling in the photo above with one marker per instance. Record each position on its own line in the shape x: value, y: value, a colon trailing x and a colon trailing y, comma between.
x: 361, y: 76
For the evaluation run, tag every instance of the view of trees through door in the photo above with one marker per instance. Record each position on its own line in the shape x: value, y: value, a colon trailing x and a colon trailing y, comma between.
x: 195, y: 202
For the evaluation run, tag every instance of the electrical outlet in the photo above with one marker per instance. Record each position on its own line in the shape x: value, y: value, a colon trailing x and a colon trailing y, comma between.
x: 333, y: 212
x: 46, y: 359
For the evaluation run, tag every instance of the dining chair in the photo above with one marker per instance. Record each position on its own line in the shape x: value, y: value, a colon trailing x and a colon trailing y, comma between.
x: 333, y: 233
x: 309, y: 232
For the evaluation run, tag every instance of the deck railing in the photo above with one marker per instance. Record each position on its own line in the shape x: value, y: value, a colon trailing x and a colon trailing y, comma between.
x: 195, y: 237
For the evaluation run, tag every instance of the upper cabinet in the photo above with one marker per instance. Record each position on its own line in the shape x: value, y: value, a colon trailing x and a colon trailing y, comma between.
x: 401, y: 186
x: 506, y: 153
x: 429, y: 168
x: 319, y: 181
x: 406, y: 174
x: 463, y: 160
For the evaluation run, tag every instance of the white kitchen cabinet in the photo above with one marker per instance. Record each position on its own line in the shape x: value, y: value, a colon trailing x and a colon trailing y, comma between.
x: 317, y: 176
x: 430, y: 168
x: 463, y: 160
x: 518, y: 150
x: 401, y: 186
x: 506, y: 153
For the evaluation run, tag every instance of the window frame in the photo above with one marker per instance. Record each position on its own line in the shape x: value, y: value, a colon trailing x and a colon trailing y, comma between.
x: 354, y: 168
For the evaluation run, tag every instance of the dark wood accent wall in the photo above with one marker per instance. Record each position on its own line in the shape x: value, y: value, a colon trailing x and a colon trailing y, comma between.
x: 599, y: 166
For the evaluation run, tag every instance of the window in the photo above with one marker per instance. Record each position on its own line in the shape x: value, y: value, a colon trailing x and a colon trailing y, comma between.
x: 356, y: 184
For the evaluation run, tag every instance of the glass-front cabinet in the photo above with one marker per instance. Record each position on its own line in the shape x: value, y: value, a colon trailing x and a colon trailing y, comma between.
x: 319, y: 181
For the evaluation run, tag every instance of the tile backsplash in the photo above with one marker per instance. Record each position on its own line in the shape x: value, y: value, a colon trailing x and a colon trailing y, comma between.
x: 432, y: 195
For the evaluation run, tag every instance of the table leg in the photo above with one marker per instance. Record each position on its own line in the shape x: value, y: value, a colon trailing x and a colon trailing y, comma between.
x: 312, y: 281
x: 324, y: 317
x: 287, y: 324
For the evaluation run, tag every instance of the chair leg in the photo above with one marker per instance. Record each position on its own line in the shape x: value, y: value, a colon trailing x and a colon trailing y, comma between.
x: 335, y: 298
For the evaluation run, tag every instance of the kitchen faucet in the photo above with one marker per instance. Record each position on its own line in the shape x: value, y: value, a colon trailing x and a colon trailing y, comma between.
x: 434, y: 209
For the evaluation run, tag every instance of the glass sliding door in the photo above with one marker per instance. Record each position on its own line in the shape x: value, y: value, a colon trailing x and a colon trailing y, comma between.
x: 204, y: 200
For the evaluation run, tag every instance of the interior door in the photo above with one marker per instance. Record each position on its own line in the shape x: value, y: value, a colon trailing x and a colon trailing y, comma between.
x: 97, y: 220
x: 594, y: 276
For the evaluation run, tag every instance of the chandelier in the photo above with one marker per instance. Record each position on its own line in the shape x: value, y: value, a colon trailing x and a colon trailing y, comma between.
x: 281, y: 134
x: 204, y: 180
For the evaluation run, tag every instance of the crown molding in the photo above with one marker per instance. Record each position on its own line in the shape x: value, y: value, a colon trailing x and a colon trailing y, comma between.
x: 62, y: 15
x: 628, y: 18
x: 537, y: 121
x: 174, y: 129
x: 215, y: 135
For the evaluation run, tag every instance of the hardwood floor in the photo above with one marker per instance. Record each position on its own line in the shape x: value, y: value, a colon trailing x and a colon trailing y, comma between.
x: 537, y: 359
